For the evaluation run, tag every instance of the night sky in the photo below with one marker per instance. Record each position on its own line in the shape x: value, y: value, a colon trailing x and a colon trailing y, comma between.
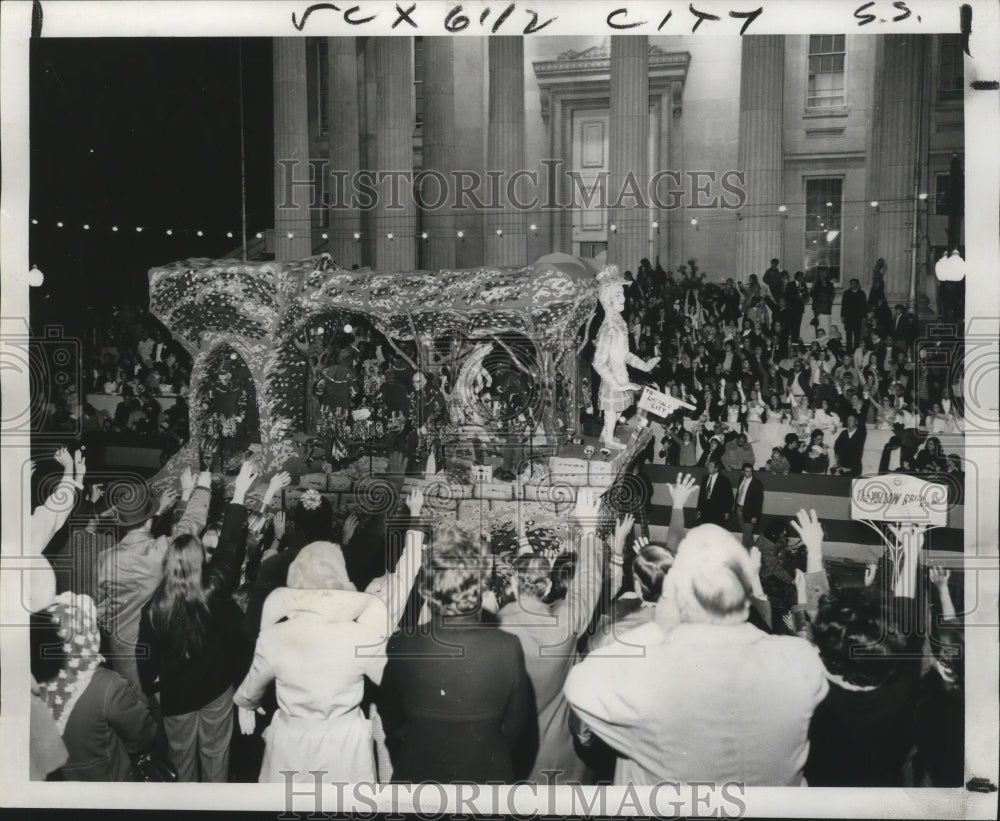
x: 141, y: 132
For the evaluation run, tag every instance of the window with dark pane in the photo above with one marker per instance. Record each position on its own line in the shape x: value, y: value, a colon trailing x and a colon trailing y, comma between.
x: 941, y: 182
x: 418, y: 81
x: 823, y: 232
x: 826, y: 87
x: 321, y: 86
x: 950, y: 70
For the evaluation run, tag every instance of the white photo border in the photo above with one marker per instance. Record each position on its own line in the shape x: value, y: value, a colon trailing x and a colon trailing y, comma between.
x: 255, y: 18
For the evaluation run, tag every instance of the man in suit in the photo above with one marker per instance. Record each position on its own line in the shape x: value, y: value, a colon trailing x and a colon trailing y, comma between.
x: 850, y: 447
x: 904, y: 327
x: 853, y: 307
x: 772, y: 279
x: 749, y: 503
x: 715, y: 501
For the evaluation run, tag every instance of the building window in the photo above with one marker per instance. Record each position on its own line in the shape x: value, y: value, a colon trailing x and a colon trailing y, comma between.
x: 941, y: 183
x: 951, y: 71
x: 321, y: 86
x: 824, y: 206
x: 826, y: 71
x: 418, y: 81
x: 589, y: 250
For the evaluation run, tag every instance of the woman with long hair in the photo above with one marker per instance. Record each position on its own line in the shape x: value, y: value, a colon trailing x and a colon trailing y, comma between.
x: 196, y: 650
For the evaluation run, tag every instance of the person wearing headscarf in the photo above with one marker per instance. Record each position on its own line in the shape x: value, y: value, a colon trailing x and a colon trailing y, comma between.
x: 103, y: 720
x: 319, y: 639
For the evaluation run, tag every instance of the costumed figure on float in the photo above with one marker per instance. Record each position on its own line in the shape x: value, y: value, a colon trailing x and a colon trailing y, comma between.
x: 612, y: 355
x: 337, y: 386
x: 224, y: 410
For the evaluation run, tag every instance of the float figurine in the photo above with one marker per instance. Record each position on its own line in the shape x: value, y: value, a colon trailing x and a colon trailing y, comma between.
x: 612, y: 355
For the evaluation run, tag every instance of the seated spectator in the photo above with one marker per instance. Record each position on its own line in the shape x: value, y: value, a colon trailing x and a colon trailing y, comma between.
x: 930, y: 459
x: 778, y: 464
x: 737, y: 453
x: 793, y: 453
x: 817, y: 455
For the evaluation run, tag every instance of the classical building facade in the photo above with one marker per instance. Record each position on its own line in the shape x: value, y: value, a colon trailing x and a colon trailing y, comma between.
x: 824, y: 151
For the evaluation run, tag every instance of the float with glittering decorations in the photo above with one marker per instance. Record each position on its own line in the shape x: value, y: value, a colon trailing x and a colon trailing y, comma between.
x: 358, y: 382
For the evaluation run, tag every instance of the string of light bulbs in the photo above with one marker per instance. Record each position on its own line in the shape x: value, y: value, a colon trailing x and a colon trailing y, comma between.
x: 618, y: 221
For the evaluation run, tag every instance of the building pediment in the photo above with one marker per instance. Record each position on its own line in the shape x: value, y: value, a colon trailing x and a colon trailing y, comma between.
x: 588, y: 73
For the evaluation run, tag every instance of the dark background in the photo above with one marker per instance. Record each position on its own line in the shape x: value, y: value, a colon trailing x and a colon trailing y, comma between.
x: 141, y: 132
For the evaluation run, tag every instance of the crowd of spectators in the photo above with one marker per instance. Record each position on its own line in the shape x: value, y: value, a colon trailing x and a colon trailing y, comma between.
x: 129, y: 358
x: 239, y: 642
x: 765, y: 362
x: 197, y: 612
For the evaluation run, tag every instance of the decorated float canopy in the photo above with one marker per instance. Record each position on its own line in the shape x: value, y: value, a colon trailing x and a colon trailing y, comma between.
x: 258, y: 313
x: 547, y: 301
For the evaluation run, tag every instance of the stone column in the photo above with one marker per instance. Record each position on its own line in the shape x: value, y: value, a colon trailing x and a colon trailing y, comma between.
x: 505, y: 153
x: 395, y: 210
x: 662, y: 246
x: 675, y: 250
x: 761, y: 152
x: 897, y: 132
x: 629, y: 151
x: 345, y: 156
x: 291, y: 143
x: 439, y: 152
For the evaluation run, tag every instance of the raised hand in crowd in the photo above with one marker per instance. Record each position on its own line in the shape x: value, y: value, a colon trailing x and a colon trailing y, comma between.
x: 277, y: 482
x: 939, y: 577
x: 588, y: 508
x: 187, y: 480
x: 167, y: 500
x: 349, y: 528
x: 682, y: 488
x: 279, y: 525
x: 79, y: 467
x: 808, y: 526
x: 64, y: 458
x: 244, y: 481
x: 622, y: 528
x: 415, y: 502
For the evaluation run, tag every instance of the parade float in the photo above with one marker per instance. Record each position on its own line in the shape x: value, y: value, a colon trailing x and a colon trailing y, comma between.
x: 492, y: 355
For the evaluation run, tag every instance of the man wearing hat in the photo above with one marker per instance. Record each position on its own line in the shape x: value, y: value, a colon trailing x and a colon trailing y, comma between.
x: 129, y: 573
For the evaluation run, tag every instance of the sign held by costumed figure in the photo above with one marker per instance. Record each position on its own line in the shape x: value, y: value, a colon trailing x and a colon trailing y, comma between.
x: 657, y: 403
